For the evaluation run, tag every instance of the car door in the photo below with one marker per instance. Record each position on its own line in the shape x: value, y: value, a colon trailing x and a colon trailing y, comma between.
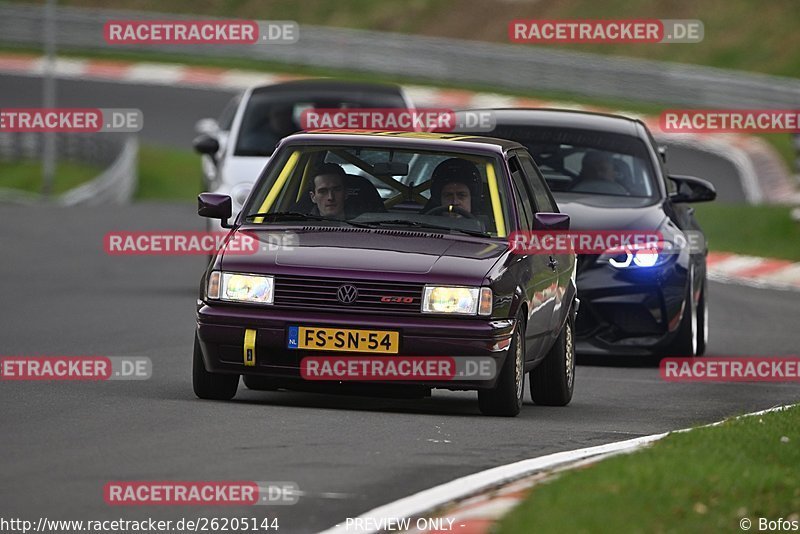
x: 542, y: 275
x: 562, y: 264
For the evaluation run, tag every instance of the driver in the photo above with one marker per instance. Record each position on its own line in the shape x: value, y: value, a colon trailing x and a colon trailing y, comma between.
x: 455, y: 183
x: 597, y: 165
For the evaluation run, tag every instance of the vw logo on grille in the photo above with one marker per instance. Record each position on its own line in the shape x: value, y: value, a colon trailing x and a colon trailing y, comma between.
x: 347, y: 294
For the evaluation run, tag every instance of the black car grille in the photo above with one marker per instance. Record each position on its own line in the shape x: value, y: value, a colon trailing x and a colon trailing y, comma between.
x: 321, y: 294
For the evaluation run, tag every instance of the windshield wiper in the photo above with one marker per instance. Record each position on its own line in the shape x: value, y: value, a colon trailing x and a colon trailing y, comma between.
x: 417, y: 224
x: 298, y: 216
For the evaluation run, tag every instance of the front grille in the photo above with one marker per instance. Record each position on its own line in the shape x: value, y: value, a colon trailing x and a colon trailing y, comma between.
x: 320, y: 294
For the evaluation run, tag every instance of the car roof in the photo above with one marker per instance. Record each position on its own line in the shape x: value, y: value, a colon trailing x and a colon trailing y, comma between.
x: 420, y: 139
x: 566, y: 118
x: 328, y: 85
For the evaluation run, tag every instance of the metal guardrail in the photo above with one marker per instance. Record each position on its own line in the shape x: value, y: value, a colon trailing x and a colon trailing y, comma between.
x: 440, y: 59
x: 116, y: 153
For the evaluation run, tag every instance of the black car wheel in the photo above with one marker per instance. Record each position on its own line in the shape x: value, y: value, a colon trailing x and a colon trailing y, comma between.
x: 260, y: 383
x: 211, y: 386
x: 553, y: 381
x: 505, y: 399
x: 686, y: 339
x: 702, y: 320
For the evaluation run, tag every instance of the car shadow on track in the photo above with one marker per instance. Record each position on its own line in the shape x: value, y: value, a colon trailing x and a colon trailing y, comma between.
x: 616, y: 360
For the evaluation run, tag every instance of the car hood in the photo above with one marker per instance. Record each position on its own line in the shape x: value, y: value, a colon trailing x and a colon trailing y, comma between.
x: 599, y: 212
x: 370, y: 254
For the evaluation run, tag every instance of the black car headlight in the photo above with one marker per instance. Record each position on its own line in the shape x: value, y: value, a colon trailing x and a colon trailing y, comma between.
x: 639, y: 257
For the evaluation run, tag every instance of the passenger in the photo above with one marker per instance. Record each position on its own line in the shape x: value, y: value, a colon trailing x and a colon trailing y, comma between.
x: 328, y: 192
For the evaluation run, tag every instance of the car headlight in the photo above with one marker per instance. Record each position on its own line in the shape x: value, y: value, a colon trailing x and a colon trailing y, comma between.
x: 647, y: 256
x: 236, y: 287
x: 457, y: 300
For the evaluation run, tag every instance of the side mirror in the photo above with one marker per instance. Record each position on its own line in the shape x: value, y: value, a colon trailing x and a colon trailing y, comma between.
x: 205, y: 144
x: 215, y: 206
x: 551, y: 221
x: 691, y: 189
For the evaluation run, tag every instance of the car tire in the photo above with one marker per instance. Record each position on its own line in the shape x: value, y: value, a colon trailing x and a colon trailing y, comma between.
x: 702, y: 320
x: 553, y: 380
x: 505, y: 399
x: 686, y: 338
x: 212, y: 386
x: 260, y: 383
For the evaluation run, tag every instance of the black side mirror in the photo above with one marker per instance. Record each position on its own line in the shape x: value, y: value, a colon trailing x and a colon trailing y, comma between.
x: 691, y: 189
x: 551, y: 221
x: 215, y: 206
x: 205, y: 144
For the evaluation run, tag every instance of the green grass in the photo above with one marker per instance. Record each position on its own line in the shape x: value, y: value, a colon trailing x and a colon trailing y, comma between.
x: 168, y: 174
x: 756, y: 230
x: 705, y: 480
x: 26, y: 175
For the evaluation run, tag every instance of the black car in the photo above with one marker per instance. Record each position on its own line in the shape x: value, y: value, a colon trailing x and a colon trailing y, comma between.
x: 608, y: 173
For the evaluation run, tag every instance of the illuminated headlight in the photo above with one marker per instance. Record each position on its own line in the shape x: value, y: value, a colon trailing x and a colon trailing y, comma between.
x: 638, y: 257
x: 235, y: 287
x: 457, y: 300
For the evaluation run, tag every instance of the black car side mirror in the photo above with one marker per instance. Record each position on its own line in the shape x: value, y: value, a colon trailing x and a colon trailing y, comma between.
x: 691, y: 189
x: 205, y: 144
x: 551, y: 221
x: 215, y: 206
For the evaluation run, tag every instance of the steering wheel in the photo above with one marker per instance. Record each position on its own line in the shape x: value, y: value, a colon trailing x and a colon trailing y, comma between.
x: 450, y: 209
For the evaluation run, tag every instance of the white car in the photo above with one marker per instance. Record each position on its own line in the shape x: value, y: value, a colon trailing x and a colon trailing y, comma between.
x: 236, y: 147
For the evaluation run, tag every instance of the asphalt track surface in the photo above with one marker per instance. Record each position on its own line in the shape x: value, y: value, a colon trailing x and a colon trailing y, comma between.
x: 61, y: 442
x: 170, y: 114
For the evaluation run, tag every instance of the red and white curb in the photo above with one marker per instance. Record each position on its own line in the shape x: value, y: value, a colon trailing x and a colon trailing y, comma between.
x: 753, y: 271
x: 473, y: 504
x: 772, y: 183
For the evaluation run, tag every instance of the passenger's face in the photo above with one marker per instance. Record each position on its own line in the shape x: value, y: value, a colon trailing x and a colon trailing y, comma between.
x: 328, y: 195
x: 458, y: 195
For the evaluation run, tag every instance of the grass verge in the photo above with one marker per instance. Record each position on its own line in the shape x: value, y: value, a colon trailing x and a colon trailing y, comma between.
x: 706, y: 480
x: 26, y: 175
x: 766, y: 231
x: 168, y: 174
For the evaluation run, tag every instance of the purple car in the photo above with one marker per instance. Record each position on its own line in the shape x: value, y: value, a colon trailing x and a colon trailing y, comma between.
x: 339, y: 274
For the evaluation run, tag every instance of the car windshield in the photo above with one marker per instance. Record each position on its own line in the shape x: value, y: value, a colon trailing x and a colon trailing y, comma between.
x: 587, y: 161
x: 429, y: 191
x: 269, y: 116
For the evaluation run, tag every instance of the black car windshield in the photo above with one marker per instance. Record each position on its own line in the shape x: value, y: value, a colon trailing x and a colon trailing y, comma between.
x: 587, y: 161
x: 370, y: 187
x: 269, y: 116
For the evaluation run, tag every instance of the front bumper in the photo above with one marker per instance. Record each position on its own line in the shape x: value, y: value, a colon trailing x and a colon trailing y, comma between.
x: 221, y: 332
x: 629, y: 311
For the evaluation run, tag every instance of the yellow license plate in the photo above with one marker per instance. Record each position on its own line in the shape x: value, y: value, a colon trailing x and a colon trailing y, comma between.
x: 343, y: 340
